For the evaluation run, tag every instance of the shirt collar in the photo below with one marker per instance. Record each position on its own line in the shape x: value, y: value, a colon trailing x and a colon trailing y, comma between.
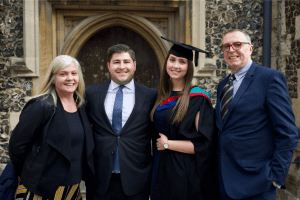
x: 129, y: 85
x: 243, y: 71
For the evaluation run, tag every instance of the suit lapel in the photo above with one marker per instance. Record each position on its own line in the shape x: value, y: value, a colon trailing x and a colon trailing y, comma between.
x: 140, y: 96
x: 89, y: 144
x: 218, y: 106
x: 243, y: 87
x: 103, y: 90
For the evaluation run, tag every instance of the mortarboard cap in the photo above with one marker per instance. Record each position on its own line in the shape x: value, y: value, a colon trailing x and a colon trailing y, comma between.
x: 184, y: 50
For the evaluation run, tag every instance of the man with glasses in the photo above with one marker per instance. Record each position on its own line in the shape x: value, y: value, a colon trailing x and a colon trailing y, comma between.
x: 257, y: 131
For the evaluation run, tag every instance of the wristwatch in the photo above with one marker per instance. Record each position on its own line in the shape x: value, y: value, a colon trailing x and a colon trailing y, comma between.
x: 166, y: 146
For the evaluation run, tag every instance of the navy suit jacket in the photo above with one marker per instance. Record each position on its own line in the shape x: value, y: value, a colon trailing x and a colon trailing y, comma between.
x: 133, y: 141
x: 259, y: 135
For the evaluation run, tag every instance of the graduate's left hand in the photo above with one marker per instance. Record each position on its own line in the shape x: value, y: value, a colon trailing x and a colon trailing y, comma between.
x: 161, y: 141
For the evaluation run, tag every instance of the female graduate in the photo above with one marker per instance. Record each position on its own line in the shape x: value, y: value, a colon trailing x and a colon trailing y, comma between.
x: 51, y: 147
x: 185, y: 165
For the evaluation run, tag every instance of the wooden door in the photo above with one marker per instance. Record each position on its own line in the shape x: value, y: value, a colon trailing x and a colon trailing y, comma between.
x: 92, y: 56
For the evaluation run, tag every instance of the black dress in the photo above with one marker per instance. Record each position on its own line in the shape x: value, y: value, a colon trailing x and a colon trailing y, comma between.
x: 180, y: 176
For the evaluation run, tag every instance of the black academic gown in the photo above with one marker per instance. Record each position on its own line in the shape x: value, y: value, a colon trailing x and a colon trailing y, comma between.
x: 183, y: 176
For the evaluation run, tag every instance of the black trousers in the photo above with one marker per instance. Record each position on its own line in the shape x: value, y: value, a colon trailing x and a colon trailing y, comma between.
x: 115, y: 191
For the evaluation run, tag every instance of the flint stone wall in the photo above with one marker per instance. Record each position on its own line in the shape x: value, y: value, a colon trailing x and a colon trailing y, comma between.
x: 221, y: 17
x: 12, y: 90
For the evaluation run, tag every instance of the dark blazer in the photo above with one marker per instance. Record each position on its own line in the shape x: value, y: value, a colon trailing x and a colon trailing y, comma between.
x: 258, y: 137
x: 43, y: 134
x: 133, y: 141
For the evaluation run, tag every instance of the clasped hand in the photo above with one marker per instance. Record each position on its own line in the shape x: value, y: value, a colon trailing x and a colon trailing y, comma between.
x: 161, y: 141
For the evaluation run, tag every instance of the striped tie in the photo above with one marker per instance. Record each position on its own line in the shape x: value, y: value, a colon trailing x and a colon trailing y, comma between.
x: 227, y: 96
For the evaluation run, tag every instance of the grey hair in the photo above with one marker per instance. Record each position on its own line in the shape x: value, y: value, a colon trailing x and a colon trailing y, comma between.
x: 59, y: 63
x: 244, y: 32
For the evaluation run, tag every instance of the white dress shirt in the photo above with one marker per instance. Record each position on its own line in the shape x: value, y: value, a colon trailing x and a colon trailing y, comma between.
x: 239, y: 77
x: 128, y: 100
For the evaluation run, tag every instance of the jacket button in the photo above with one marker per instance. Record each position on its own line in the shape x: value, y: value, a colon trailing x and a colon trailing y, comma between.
x: 223, y: 152
x: 118, y: 137
x: 112, y: 152
x: 223, y: 133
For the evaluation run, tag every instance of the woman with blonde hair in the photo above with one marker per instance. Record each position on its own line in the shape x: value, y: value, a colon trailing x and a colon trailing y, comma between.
x: 184, y: 165
x: 51, y: 146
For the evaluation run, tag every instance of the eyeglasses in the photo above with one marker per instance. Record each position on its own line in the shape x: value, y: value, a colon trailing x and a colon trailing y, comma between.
x: 235, y: 46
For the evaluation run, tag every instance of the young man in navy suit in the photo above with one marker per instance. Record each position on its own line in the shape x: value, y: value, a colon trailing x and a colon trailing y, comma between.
x: 119, y: 111
x: 257, y: 131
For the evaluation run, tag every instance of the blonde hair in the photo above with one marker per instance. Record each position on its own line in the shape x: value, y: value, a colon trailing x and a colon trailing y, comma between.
x: 59, y: 63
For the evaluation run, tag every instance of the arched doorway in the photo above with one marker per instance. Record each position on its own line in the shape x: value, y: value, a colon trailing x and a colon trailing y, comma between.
x: 92, y: 56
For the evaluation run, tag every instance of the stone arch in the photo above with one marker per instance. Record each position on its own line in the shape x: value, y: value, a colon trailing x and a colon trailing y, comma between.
x: 91, y: 25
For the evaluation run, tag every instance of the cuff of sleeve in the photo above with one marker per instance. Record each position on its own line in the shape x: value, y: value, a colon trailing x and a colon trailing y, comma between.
x: 276, y: 185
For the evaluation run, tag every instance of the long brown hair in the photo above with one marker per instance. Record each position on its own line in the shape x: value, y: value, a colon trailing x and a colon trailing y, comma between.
x: 166, y: 86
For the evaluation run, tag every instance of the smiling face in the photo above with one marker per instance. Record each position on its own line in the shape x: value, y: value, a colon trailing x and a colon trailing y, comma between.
x: 66, y: 80
x: 177, y: 67
x: 121, y: 68
x: 237, y: 59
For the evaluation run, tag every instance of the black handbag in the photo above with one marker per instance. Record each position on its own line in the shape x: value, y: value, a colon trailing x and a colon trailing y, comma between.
x: 8, y: 183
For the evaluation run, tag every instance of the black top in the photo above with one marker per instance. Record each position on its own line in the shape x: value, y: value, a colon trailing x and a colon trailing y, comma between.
x: 158, y: 119
x: 77, y: 137
x: 158, y: 116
